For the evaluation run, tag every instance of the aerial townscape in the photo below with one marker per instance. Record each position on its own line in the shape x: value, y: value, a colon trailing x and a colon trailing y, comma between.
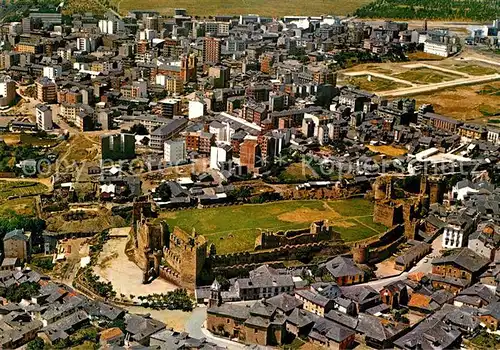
x: 257, y: 175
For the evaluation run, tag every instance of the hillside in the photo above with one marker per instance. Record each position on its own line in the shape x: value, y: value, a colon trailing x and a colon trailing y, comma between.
x: 476, y: 10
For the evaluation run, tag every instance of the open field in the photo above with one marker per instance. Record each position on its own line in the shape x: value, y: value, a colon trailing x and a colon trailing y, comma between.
x: 375, y: 84
x: 20, y: 206
x: 471, y: 103
x: 296, y: 172
x: 425, y: 76
x: 475, y: 69
x: 20, y: 188
x: 235, y: 228
x: 424, y: 56
x: 271, y: 8
x: 388, y: 150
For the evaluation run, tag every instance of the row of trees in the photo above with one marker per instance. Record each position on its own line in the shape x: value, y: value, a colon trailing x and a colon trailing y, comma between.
x: 174, y: 300
x: 479, y: 10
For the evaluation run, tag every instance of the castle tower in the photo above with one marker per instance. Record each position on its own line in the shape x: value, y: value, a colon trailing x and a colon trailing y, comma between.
x: 360, y: 254
x: 215, y: 294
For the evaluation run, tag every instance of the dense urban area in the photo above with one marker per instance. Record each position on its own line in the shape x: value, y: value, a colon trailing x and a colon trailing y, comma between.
x: 195, y: 180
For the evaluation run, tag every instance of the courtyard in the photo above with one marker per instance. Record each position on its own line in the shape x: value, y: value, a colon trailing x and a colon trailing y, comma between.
x: 235, y: 228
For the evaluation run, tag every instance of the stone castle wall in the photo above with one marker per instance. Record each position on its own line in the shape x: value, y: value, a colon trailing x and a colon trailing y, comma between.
x: 317, y: 232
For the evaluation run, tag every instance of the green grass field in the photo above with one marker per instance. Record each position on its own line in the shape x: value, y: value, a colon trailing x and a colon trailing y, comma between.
x: 425, y: 76
x: 375, y: 84
x: 477, y: 70
x: 235, y: 228
x: 270, y: 8
x: 20, y: 188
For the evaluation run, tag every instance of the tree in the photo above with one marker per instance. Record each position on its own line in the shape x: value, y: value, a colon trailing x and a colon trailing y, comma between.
x: 213, y: 249
x: 139, y: 129
x: 164, y: 191
x: 26, y: 290
x: 36, y: 344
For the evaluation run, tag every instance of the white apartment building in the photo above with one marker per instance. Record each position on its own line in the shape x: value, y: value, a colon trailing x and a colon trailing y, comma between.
x: 175, y: 151
x: 220, y: 153
x: 44, y: 117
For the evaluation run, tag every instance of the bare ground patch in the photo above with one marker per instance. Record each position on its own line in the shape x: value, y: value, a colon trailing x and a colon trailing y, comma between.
x: 307, y: 215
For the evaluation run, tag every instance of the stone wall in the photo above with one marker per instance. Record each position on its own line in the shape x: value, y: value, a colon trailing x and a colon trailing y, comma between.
x: 317, y: 232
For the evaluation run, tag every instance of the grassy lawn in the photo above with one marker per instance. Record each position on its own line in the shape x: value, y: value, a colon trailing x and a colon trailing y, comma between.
x: 21, y: 206
x: 296, y: 172
x: 424, y: 56
x: 271, y: 8
x: 17, y: 188
x: 425, y: 76
x: 376, y: 84
x: 235, y: 228
x: 476, y: 70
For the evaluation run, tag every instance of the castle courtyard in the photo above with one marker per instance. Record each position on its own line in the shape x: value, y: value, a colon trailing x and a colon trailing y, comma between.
x: 235, y: 228
x: 114, y: 266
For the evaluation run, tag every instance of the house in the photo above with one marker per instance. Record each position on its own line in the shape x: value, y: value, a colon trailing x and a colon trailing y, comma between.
x: 456, y: 233
x: 344, y: 271
x: 259, y: 324
x: 377, y: 332
x: 111, y: 337
x: 141, y: 328
x: 457, y: 269
x: 485, y: 240
x: 363, y: 296
x: 285, y: 303
x: 263, y: 282
x: 431, y: 333
x: 394, y: 294
x: 411, y: 256
x: 314, y: 302
x: 300, y: 322
x: 477, y: 295
x: 17, y: 244
x: 490, y: 317
x: 331, y: 335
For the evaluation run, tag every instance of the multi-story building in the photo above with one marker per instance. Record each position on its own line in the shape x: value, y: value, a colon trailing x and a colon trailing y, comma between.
x: 7, y: 91
x: 220, y: 76
x: 493, y: 135
x: 17, y: 244
x: 46, y: 90
x: 250, y: 155
x: 211, y: 50
x: 26, y: 47
x: 170, y: 107
x: 200, y: 141
x: 457, y: 230
x: 458, y: 269
x: 175, y: 151
x: 219, y: 154
x: 165, y: 132
x: 472, y: 132
x: 116, y: 147
x: 44, y: 117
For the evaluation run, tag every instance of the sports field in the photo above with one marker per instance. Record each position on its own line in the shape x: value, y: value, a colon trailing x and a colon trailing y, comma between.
x: 235, y: 228
x: 270, y: 8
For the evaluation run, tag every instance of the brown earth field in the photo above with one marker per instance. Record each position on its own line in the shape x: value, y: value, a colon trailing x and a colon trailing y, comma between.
x: 468, y: 103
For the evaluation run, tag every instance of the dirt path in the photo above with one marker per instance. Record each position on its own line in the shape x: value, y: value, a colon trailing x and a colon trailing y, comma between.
x: 381, y: 76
